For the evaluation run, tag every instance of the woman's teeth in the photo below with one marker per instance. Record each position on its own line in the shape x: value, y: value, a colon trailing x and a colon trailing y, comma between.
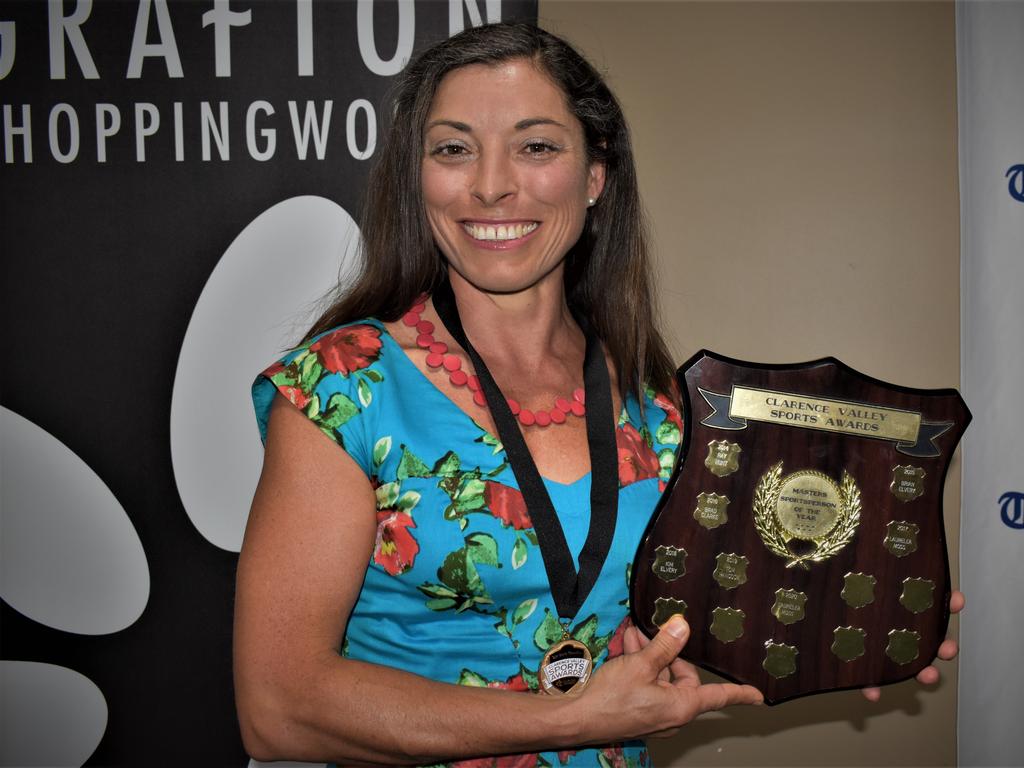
x: 499, y: 232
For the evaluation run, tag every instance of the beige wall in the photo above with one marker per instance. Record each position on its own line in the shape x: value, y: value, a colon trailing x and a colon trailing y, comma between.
x: 798, y: 163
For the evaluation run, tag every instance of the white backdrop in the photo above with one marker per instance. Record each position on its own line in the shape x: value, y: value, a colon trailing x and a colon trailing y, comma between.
x: 990, y: 63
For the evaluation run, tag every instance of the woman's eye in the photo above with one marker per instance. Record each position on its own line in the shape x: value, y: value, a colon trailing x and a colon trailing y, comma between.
x: 540, y: 148
x: 449, y: 150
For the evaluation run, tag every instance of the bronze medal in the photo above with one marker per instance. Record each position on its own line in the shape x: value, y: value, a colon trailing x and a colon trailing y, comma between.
x: 565, y: 668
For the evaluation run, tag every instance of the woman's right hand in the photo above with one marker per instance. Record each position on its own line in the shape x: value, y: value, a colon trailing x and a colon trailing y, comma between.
x: 650, y: 692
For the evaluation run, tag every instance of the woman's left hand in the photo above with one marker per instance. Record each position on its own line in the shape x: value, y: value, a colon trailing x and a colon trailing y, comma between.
x: 947, y: 651
x: 678, y: 670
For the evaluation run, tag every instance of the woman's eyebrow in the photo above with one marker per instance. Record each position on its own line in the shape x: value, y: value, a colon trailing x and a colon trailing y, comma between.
x: 530, y: 122
x: 522, y: 125
x: 464, y: 127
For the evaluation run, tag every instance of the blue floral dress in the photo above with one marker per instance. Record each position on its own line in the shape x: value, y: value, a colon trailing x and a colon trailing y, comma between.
x: 455, y: 587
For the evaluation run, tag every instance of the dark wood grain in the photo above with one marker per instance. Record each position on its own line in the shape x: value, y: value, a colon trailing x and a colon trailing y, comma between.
x: 870, y: 462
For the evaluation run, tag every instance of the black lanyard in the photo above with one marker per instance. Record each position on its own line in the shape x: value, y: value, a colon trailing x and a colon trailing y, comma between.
x: 568, y: 587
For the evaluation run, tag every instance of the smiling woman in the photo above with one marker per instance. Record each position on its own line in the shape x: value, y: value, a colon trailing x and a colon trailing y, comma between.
x: 441, y: 582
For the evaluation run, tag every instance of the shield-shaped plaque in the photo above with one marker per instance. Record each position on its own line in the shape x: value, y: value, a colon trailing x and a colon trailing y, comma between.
x: 830, y: 569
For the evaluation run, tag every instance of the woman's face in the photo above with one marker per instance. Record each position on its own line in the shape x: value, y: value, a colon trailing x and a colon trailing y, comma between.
x: 505, y: 175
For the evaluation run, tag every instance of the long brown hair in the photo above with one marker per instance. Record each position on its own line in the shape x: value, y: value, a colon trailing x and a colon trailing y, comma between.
x: 607, y: 276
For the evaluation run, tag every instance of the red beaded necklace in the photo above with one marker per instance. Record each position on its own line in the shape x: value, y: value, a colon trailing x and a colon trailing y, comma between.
x: 438, y: 357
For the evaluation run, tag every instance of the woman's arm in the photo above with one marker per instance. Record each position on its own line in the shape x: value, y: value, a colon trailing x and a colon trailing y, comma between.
x: 309, y: 537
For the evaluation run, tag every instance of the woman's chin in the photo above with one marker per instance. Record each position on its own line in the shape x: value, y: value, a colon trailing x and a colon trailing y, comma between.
x: 505, y: 282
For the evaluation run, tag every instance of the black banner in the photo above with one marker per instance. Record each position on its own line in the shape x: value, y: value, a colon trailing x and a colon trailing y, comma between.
x: 179, y: 182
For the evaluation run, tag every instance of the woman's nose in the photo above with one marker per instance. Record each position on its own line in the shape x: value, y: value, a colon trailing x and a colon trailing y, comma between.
x: 495, y: 178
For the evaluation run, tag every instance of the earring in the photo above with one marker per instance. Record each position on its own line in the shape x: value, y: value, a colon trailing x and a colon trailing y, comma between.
x: 591, y: 201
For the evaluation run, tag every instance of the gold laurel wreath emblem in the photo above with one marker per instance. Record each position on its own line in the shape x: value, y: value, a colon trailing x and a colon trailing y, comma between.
x: 766, y: 497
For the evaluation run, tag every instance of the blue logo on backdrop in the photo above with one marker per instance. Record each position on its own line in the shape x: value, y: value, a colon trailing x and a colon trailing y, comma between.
x: 1015, y: 173
x: 1011, y: 509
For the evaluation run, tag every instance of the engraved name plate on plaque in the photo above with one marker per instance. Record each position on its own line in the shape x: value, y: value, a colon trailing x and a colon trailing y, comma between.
x: 809, y: 506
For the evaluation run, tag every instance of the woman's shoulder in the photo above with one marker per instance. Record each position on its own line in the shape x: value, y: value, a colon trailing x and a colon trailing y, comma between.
x: 345, y: 348
x: 648, y: 438
x: 353, y: 348
x: 332, y: 376
x: 658, y: 407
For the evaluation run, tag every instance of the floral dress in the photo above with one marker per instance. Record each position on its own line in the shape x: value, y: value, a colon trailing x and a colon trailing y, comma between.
x: 455, y: 588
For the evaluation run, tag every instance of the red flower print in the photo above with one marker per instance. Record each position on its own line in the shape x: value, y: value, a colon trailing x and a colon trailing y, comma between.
x: 671, y: 412
x: 514, y: 683
x: 636, y: 459
x: 615, y: 644
x: 286, y: 384
x: 614, y: 756
x: 299, y: 398
x: 564, y: 755
x: 395, y: 549
x: 507, y: 505
x: 273, y: 370
x: 479, y: 762
x: 505, y: 761
x: 348, y: 349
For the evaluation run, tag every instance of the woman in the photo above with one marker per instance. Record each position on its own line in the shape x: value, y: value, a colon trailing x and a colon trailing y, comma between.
x: 503, y: 316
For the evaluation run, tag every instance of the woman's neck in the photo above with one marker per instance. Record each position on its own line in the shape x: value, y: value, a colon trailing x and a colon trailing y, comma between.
x: 526, y: 330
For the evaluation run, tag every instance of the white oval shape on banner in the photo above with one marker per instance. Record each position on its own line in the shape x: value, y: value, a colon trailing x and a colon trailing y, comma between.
x: 259, y: 300
x: 49, y: 715
x: 69, y: 556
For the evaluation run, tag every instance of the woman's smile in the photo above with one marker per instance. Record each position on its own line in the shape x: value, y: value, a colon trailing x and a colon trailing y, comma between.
x: 507, y: 234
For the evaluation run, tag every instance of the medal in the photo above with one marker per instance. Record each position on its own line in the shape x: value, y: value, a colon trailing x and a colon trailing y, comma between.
x: 568, y: 663
x: 566, y: 667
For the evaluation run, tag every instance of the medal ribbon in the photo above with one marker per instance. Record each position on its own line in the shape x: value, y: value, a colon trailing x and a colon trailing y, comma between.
x: 568, y: 587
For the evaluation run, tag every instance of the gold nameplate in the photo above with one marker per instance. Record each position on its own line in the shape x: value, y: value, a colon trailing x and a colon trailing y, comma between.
x: 723, y: 458
x: 730, y: 570
x: 917, y: 595
x: 907, y: 482
x: 848, y: 643
x: 779, y: 659
x: 858, y: 589
x: 805, y: 516
x: 901, y: 537
x: 789, y: 605
x: 710, y: 510
x: 665, y: 608
x: 849, y: 418
x: 727, y: 624
x: 669, y: 562
x: 903, y: 646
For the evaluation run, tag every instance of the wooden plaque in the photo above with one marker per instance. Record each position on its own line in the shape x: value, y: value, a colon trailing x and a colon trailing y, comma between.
x: 802, y: 534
